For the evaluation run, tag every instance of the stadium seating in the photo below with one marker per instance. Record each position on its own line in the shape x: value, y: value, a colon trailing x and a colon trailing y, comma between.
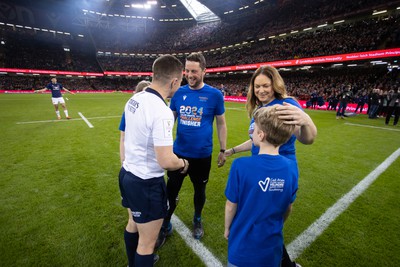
x: 224, y: 43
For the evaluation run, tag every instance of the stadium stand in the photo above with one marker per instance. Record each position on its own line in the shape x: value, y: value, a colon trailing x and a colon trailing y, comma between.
x: 236, y: 39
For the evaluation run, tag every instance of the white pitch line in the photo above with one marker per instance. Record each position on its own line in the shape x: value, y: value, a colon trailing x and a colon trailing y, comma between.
x: 369, y: 126
x: 32, y: 122
x: 241, y: 109
x: 86, y: 120
x: 201, y: 251
x: 105, y: 117
x: 304, y: 240
x: 92, y: 118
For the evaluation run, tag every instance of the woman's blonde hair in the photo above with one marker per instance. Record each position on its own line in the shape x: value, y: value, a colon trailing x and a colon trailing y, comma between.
x: 141, y: 86
x: 278, y: 85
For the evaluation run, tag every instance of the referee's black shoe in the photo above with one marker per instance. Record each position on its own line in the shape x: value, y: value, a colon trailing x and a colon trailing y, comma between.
x: 162, y: 236
x: 155, y: 259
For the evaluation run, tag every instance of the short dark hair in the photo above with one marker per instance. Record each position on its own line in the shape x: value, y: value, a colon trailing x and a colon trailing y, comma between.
x: 197, y: 57
x: 167, y: 67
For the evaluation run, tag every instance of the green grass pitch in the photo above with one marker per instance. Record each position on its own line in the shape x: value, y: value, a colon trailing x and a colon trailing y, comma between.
x: 60, y: 203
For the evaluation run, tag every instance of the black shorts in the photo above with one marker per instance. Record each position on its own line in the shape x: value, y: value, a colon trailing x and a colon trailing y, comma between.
x: 199, y: 170
x: 147, y: 199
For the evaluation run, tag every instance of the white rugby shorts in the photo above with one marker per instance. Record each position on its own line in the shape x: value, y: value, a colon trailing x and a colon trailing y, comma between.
x: 57, y: 100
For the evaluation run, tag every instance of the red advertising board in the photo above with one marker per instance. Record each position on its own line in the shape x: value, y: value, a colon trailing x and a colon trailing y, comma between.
x: 394, y: 52
x: 350, y: 107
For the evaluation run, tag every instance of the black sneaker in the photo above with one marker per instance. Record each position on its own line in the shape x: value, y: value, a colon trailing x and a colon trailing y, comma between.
x: 155, y: 259
x: 162, y: 236
x: 198, y: 230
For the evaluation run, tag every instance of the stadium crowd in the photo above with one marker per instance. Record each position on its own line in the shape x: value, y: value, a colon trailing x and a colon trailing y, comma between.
x: 25, y: 48
x: 272, y: 20
x: 135, y: 52
x: 326, y: 83
x: 367, y: 34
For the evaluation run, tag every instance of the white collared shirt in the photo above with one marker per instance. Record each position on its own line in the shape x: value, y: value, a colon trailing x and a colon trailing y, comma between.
x: 149, y: 123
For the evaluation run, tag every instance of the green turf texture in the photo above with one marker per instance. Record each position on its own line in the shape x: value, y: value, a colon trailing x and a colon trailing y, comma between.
x: 60, y: 202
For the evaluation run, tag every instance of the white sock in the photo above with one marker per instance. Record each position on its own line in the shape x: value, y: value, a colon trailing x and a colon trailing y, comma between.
x: 58, y: 113
x: 66, y: 112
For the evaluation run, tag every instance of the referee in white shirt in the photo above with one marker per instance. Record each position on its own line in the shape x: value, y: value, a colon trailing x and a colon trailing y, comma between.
x: 148, y: 152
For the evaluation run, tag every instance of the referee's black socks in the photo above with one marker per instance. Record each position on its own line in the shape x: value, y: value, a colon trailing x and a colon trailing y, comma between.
x: 131, y: 243
x: 144, y: 260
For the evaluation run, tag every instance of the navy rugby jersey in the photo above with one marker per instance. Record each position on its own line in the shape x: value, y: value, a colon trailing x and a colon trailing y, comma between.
x: 55, y: 89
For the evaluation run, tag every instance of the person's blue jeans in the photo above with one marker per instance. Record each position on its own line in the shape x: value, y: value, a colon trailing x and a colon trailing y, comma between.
x: 372, y: 111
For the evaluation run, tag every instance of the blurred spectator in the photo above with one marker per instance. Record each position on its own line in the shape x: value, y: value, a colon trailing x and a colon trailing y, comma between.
x: 374, y: 100
x: 394, y: 107
x: 344, y: 97
x: 361, y: 100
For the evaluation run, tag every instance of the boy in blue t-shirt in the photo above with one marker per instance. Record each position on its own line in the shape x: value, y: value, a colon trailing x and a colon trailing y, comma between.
x: 260, y: 192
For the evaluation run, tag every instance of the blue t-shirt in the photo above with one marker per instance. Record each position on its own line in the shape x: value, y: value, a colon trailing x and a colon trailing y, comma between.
x: 122, y: 124
x: 262, y: 186
x: 195, y: 110
x: 55, y: 89
x: 288, y: 149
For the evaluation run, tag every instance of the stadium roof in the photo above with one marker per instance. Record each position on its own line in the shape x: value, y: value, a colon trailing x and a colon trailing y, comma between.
x: 199, y: 11
x: 159, y: 10
x: 234, y: 6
